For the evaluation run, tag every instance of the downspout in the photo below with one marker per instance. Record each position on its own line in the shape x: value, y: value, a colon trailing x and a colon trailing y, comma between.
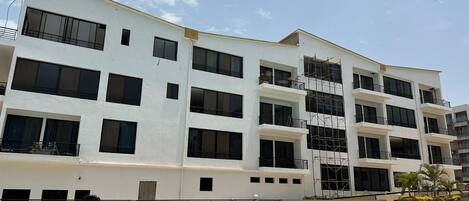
x: 186, y: 128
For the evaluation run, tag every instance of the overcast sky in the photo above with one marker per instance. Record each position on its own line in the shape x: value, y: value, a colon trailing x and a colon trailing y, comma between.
x: 421, y: 33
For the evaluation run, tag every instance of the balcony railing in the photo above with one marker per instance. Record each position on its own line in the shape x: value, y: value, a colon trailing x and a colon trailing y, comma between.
x: 285, y: 83
x: 374, y: 120
x: 289, y: 122
x: 443, y: 131
x: 7, y: 33
x: 278, y: 162
x: 374, y: 87
x: 3, y: 86
x: 437, y: 101
x: 445, y: 161
x: 44, y: 148
x: 62, y: 39
x: 383, y: 155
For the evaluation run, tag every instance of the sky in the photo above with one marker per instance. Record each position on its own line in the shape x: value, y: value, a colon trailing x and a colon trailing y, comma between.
x: 417, y: 33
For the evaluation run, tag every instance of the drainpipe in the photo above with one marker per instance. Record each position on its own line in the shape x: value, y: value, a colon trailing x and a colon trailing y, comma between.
x: 186, y: 128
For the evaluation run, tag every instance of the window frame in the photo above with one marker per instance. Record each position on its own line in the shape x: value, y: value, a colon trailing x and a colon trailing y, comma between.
x: 164, y: 48
x: 202, y: 183
x: 400, y: 87
x: 195, y: 109
x: 217, y: 67
x: 116, y: 148
x: 170, y: 93
x: 123, y: 99
x: 199, y: 153
x: 125, y: 37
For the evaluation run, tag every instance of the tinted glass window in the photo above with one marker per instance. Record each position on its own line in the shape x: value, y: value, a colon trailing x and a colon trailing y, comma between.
x: 217, y: 62
x: 334, y: 177
x: 63, y: 29
x: 216, y: 103
x: 125, y: 38
x: 16, y: 194
x: 21, y: 133
x: 401, y: 116
x: 54, y: 195
x: 324, y: 103
x: 327, y: 139
x: 166, y: 49
x: 64, y: 135
x: 214, y: 144
x: 404, y: 148
x: 172, y: 91
x: 255, y: 180
x: 322, y: 70
x: 371, y: 179
x: 397, y: 87
x: 118, y: 137
x: 55, y: 79
x: 206, y: 184
x: 123, y: 89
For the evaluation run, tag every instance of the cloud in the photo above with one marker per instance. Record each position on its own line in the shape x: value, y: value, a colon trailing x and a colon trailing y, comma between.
x: 192, y: 3
x: 265, y: 14
x: 10, y: 24
x: 238, y: 27
x: 171, y: 17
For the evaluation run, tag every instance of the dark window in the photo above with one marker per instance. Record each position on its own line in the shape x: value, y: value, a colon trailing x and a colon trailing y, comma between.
x: 397, y: 87
x: 364, y: 82
x: 125, y: 38
x: 371, y: 179
x: 369, y: 148
x: 216, y: 103
x: 461, y: 116
x: 40, y: 77
x: 54, y: 195
x: 255, y: 180
x: 269, y: 180
x: 63, y: 29
x: 172, y: 91
x: 431, y: 125
x: 267, y: 75
x: 284, y: 154
x: 365, y: 113
x: 296, y: 181
x: 281, y: 115
x: 206, y: 184
x: 283, y: 180
x: 327, y: 139
x: 427, y: 96
x: 434, y: 154
x: 118, y: 137
x: 398, y: 116
x: 334, y: 177
x: 123, y: 89
x: 217, y: 62
x: 63, y: 134
x: 324, y: 103
x: 164, y: 48
x: 21, y: 133
x: 322, y: 70
x: 16, y: 194
x: 404, y: 148
x: 80, y: 194
x: 215, y: 144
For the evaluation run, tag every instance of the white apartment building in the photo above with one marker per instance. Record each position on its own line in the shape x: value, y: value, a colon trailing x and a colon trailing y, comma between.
x: 103, y: 99
x: 458, y: 125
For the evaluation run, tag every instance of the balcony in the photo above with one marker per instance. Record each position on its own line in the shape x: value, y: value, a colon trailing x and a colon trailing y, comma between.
x: 373, y: 93
x: 39, y: 148
x: 436, y: 106
x: 447, y: 163
x: 375, y: 125
x: 441, y: 135
x: 7, y: 33
x: 283, y: 165
x: 376, y: 159
x: 289, y: 90
x: 292, y: 127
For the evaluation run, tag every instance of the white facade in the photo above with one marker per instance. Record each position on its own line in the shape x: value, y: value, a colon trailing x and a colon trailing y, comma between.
x: 163, y: 124
x: 460, y: 147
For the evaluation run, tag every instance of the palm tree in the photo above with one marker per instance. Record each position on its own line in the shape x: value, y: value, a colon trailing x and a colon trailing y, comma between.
x: 448, y: 185
x: 432, y: 175
x: 409, y: 181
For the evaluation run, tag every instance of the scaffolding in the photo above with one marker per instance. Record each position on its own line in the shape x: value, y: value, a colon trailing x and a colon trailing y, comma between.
x: 330, y: 152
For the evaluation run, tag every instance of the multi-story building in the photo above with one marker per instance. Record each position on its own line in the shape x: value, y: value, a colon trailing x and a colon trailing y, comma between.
x: 103, y: 99
x: 458, y: 125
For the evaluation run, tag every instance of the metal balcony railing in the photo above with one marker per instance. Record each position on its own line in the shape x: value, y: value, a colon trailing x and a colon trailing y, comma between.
x: 3, y: 86
x: 7, y: 33
x: 445, y: 161
x: 375, y: 120
x: 289, y: 122
x: 285, y: 83
x: 44, y: 148
x: 383, y: 155
x: 63, y: 39
x: 443, y: 131
x: 437, y: 101
x: 278, y: 162
x: 374, y: 87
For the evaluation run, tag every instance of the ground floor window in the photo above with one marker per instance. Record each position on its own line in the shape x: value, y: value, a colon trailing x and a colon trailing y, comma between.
x: 16, y: 194
x: 371, y: 179
x: 334, y: 177
x: 206, y: 184
x: 54, y: 195
x: 80, y: 194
